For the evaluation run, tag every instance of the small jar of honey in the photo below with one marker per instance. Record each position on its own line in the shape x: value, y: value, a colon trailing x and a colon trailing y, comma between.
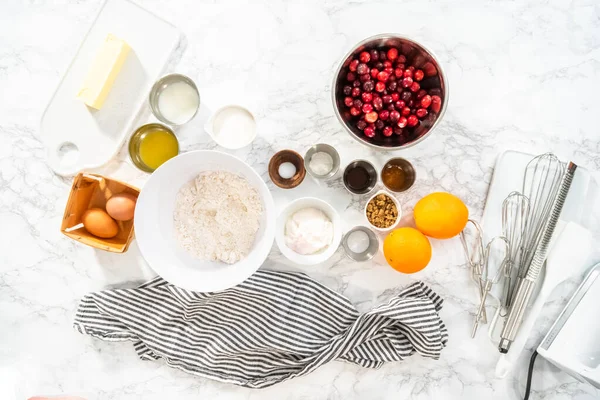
x: 398, y: 175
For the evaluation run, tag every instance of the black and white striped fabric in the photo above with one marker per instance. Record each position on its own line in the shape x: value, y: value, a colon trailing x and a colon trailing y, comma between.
x: 273, y: 327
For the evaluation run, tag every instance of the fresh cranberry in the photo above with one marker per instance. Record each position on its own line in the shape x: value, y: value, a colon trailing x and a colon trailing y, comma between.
x: 382, y: 55
x: 389, y: 70
x: 406, y: 82
x: 401, y: 67
x: 387, y: 99
x: 398, y: 131
x: 405, y: 112
x: 350, y: 76
x: 406, y: 95
x: 379, y: 65
x: 347, y: 90
x: 362, y: 68
x: 399, y: 104
x: 353, y: 65
x: 402, y: 122
x: 374, y: 55
x: 361, y: 124
x: 392, y: 86
x: 379, y: 124
x: 356, y: 83
x: 429, y: 69
x: 426, y: 101
x: 410, y: 103
x: 401, y: 58
x: 388, y: 131
x: 377, y: 103
x: 367, y: 108
x: 348, y: 101
x: 355, y: 92
x: 411, y: 68
x: 357, y: 103
x: 368, y: 86
x: 374, y: 72
x: 392, y: 53
x: 418, y: 75
x: 421, y: 113
x: 380, y: 86
x: 415, y: 87
x: 383, y: 76
x: 391, y: 108
x: 355, y: 111
x: 395, y: 96
x: 367, y: 97
x: 384, y: 115
x: 394, y: 116
x: 364, y: 57
x: 370, y: 117
x: 412, y: 121
x: 398, y: 73
x: 407, y: 73
x: 387, y: 64
x: 364, y: 78
x: 369, y: 132
x: 422, y: 93
x: 436, y: 103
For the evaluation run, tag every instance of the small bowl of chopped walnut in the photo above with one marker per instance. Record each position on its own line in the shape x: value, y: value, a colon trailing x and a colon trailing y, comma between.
x: 383, y: 211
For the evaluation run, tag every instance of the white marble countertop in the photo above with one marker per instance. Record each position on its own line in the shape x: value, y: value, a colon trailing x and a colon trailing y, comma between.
x: 523, y: 75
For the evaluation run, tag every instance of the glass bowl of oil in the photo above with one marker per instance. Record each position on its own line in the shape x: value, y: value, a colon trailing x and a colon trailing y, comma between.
x: 152, y: 145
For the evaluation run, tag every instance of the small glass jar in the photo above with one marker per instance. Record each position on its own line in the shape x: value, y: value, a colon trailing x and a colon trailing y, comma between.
x: 148, y: 156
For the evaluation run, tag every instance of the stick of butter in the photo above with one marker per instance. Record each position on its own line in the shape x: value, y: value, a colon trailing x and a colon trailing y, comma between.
x: 103, y: 72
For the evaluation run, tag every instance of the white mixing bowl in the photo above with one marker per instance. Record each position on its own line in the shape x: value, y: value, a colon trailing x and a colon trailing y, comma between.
x: 155, y: 232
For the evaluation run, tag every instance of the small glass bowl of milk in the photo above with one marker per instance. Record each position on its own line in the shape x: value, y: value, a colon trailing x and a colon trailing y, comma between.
x: 174, y: 99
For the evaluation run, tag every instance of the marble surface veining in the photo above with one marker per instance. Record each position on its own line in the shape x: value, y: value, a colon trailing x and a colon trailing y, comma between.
x: 523, y: 75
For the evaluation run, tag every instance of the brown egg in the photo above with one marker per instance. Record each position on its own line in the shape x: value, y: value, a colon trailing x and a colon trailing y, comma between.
x: 121, y: 206
x: 99, y: 223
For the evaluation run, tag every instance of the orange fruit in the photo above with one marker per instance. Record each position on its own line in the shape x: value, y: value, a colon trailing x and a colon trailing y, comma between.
x: 407, y: 250
x: 441, y: 215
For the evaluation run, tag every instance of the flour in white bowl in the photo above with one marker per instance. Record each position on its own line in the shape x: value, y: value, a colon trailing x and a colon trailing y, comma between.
x: 216, y: 217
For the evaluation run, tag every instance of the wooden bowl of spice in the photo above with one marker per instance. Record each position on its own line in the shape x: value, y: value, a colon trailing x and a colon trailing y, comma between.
x: 286, y: 169
x: 383, y: 211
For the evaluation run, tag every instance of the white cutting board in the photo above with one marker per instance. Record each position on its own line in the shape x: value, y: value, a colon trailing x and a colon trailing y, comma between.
x: 582, y: 204
x: 77, y: 136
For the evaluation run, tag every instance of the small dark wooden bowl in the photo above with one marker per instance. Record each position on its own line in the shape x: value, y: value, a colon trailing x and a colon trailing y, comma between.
x: 284, y: 156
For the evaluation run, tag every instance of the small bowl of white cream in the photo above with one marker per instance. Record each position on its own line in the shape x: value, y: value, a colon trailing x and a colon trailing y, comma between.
x: 174, y: 99
x: 232, y: 127
x: 308, y: 231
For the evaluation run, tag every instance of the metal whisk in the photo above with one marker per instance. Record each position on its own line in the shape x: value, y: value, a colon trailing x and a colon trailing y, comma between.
x: 515, y: 211
x: 540, y: 185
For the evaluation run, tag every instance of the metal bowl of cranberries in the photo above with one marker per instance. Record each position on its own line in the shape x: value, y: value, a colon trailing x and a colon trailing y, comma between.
x: 390, y: 92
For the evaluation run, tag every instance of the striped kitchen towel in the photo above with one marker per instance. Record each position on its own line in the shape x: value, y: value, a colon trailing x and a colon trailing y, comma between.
x: 273, y: 327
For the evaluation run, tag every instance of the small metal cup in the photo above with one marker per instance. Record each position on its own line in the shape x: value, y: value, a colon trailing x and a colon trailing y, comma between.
x: 409, y: 173
x: 370, y: 170
x: 369, y: 253
x: 322, y: 148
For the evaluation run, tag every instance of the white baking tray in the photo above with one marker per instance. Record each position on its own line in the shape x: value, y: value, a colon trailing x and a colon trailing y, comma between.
x: 77, y: 136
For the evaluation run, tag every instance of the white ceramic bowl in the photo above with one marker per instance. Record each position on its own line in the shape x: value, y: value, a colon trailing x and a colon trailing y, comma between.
x: 299, y: 204
x: 395, y: 224
x: 154, y: 229
x: 230, y: 143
